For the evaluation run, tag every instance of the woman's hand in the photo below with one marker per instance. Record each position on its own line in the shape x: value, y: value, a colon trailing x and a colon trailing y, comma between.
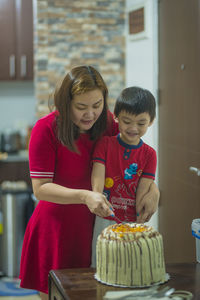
x: 98, y: 204
x: 148, y: 205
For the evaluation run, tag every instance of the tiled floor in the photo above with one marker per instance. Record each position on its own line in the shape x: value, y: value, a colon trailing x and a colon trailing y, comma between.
x: 34, y: 297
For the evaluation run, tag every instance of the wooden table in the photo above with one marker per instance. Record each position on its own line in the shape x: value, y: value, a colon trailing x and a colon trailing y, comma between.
x: 76, y: 284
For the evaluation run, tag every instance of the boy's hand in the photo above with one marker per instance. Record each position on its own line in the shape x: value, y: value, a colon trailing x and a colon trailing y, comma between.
x: 148, y: 205
x: 144, y: 210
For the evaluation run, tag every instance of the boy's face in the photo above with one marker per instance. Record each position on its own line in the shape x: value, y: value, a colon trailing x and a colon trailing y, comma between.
x: 133, y: 127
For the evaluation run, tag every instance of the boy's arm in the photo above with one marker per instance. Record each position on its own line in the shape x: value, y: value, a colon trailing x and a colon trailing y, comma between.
x: 98, y: 181
x: 98, y: 177
x: 147, y: 198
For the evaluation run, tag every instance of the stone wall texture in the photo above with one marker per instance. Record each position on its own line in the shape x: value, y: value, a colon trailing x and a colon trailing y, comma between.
x: 78, y: 32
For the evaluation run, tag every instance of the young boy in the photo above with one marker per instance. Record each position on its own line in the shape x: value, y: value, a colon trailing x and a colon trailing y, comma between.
x: 123, y: 165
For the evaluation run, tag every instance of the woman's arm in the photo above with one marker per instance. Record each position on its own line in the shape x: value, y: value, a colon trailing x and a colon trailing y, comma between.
x: 147, y: 199
x: 46, y: 190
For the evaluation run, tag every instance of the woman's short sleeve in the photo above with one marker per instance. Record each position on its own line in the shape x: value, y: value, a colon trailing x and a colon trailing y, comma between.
x: 42, y: 149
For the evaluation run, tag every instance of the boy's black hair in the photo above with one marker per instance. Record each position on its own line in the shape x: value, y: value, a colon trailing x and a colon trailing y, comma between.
x: 136, y: 100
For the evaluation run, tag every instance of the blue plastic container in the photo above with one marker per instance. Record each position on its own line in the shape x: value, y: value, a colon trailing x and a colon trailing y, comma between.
x: 196, y: 233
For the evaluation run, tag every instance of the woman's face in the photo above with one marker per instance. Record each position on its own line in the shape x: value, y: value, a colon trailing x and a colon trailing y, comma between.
x: 86, y: 109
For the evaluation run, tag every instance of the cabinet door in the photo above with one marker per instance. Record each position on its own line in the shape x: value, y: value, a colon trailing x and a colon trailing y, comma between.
x: 7, y: 40
x: 16, y: 40
x: 24, y: 49
x: 15, y: 171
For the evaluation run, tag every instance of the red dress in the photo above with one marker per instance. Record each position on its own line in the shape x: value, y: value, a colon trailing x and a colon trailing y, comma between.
x: 58, y: 236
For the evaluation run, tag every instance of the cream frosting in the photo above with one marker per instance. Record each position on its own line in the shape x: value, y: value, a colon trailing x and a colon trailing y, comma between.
x: 130, y: 255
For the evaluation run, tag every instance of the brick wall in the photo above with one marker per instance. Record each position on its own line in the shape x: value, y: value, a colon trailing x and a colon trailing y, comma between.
x: 70, y: 33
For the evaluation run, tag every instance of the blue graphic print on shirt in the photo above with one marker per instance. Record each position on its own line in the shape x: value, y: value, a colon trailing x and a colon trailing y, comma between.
x: 129, y: 172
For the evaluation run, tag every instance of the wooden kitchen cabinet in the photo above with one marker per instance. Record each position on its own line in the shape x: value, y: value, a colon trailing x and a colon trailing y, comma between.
x: 15, y: 171
x: 16, y: 40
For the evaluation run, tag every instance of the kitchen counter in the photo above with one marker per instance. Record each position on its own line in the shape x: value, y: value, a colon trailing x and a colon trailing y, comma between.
x: 15, y: 157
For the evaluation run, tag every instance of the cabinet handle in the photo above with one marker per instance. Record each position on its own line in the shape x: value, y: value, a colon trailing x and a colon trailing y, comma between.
x: 23, y: 65
x: 195, y: 170
x: 12, y: 65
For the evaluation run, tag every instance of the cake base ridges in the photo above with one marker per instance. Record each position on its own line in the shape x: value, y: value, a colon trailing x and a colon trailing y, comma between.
x: 133, y: 286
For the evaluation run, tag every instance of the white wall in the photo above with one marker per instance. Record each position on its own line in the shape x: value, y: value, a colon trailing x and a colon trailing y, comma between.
x: 142, y: 66
x: 17, y: 105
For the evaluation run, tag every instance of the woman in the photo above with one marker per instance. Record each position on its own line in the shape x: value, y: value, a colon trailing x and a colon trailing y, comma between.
x: 59, y: 233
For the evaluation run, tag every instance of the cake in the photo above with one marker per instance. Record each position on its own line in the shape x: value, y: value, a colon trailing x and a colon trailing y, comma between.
x: 130, y: 255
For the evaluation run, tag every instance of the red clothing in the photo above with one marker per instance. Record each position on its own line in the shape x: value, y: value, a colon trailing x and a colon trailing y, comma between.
x: 58, y: 235
x: 124, y: 165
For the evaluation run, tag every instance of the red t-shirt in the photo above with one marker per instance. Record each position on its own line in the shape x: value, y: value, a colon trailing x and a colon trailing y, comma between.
x: 124, y: 165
